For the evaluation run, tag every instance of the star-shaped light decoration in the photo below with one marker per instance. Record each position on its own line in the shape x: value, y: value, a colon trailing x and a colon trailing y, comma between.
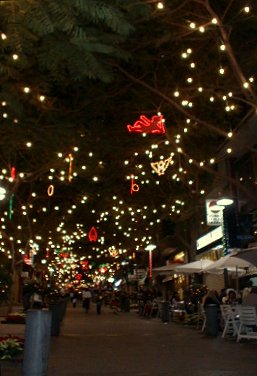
x: 161, y: 166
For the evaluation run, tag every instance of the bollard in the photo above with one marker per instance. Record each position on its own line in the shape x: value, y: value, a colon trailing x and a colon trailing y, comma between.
x: 36, y: 343
x: 58, y: 310
x: 212, y: 325
x: 165, y: 313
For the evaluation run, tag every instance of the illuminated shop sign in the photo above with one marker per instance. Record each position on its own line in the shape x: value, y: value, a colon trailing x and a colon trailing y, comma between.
x: 209, y: 238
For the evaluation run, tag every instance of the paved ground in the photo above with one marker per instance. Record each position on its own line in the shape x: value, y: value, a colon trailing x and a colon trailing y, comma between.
x: 124, y: 344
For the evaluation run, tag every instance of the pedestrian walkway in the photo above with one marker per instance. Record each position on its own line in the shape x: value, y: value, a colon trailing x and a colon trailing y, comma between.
x: 125, y: 344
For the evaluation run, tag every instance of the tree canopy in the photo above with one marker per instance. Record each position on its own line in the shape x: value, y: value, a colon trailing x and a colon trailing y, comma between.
x: 74, y: 74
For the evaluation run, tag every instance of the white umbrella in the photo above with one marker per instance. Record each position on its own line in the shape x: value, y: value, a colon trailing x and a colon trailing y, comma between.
x: 248, y: 254
x: 166, y: 269
x: 232, y: 264
x: 198, y: 266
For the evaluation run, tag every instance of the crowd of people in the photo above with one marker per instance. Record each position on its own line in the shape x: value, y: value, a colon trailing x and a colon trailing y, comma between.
x: 116, y: 300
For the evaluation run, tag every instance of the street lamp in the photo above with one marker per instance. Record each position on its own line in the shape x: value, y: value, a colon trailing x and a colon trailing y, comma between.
x: 224, y: 202
x: 149, y: 248
x: 2, y: 193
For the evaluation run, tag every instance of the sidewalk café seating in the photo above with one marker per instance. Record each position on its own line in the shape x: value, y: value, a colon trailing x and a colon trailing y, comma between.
x: 247, y: 323
x: 229, y: 315
x: 177, y: 312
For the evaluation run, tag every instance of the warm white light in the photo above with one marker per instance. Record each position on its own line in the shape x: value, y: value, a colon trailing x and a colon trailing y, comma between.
x: 150, y: 247
x: 26, y: 89
x: 2, y: 193
x: 160, y: 5
x: 225, y: 202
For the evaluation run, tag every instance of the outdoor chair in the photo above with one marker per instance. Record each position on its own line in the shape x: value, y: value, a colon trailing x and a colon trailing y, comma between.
x: 201, y: 317
x: 229, y: 314
x: 247, y: 323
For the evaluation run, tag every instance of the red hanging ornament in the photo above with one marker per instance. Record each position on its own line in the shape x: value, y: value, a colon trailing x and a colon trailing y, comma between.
x: 13, y: 173
x: 84, y: 265
x: 92, y: 235
x: 155, y: 125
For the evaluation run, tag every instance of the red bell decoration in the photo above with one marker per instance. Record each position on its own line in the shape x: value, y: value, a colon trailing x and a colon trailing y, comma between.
x: 84, y: 264
x: 92, y: 234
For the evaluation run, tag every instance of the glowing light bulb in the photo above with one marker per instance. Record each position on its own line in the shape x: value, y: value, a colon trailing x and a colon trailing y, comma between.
x: 160, y: 5
x: 26, y: 89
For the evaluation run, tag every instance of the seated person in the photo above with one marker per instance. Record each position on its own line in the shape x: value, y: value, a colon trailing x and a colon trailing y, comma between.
x: 230, y: 298
x: 251, y: 298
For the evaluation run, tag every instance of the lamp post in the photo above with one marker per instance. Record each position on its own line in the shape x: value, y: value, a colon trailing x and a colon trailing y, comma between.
x: 224, y: 203
x: 149, y: 248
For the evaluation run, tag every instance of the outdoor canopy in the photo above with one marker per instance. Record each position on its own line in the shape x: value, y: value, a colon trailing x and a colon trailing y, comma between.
x: 166, y: 269
x: 230, y: 262
x: 198, y: 266
x: 248, y: 254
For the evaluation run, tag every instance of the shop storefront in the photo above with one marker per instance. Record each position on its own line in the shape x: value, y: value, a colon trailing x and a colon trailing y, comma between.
x: 210, y: 247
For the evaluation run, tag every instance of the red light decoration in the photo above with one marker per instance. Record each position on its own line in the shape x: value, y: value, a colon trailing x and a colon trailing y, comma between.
x: 13, y: 173
x: 64, y: 255
x: 84, y: 265
x: 92, y: 235
x: 155, y: 125
x: 78, y: 277
x: 27, y: 260
x: 134, y: 187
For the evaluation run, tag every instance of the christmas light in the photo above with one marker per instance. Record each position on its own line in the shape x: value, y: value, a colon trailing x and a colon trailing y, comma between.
x: 161, y: 166
x: 155, y: 125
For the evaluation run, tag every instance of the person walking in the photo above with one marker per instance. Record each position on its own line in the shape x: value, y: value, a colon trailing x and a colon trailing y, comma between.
x: 99, y: 301
x: 86, y: 299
